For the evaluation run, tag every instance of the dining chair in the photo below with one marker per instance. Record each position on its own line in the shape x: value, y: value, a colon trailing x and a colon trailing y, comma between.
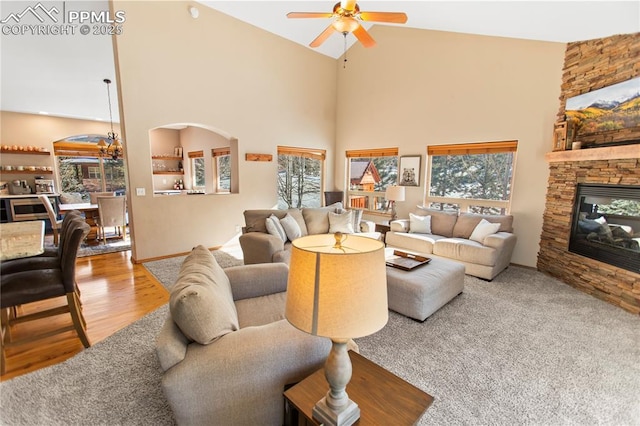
x: 93, y: 196
x: 112, y: 212
x: 53, y: 217
x: 50, y: 258
x: 20, y: 288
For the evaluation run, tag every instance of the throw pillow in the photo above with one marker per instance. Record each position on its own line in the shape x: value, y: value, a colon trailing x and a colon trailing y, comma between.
x: 419, y: 224
x: 275, y: 228
x: 442, y: 222
x: 357, y: 218
x: 291, y: 227
x: 317, y: 219
x: 467, y: 222
x: 484, y: 229
x: 341, y: 222
x: 201, y: 301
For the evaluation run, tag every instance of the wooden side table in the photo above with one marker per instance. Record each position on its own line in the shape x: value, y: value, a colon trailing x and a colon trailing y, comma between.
x: 383, y: 228
x: 383, y: 398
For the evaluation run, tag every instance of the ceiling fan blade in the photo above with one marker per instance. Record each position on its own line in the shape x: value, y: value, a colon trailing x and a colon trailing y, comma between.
x: 348, y: 4
x: 309, y: 15
x: 323, y: 36
x: 393, y: 17
x: 364, y: 37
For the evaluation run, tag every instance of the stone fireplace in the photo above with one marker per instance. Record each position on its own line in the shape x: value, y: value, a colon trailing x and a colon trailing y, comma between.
x: 588, y: 66
x: 606, y: 224
x: 618, y: 166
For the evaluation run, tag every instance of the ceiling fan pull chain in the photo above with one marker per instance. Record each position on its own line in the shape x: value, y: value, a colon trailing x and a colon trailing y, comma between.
x: 344, y: 65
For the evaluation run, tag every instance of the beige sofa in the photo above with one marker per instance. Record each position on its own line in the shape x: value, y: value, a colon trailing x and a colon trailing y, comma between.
x: 261, y: 246
x: 226, y: 350
x: 484, y: 253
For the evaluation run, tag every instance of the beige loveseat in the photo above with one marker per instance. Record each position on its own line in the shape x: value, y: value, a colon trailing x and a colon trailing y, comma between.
x: 262, y: 245
x: 485, y: 250
x: 226, y: 350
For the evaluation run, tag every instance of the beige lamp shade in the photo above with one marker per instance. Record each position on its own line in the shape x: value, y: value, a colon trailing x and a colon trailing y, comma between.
x: 598, y: 200
x: 394, y: 193
x: 337, y: 290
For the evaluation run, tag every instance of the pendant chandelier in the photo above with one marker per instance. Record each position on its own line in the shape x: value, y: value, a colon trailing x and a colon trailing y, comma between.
x: 112, y: 147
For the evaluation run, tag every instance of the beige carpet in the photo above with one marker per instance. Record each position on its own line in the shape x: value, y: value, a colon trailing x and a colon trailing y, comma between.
x: 521, y: 350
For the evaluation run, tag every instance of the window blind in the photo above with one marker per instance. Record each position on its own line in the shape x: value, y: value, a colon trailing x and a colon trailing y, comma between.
x: 219, y: 152
x: 316, y: 154
x: 195, y: 154
x: 377, y: 152
x: 473, y: 148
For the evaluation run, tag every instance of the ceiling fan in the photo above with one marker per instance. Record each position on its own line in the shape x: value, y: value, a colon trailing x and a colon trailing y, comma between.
x: 348, y: 15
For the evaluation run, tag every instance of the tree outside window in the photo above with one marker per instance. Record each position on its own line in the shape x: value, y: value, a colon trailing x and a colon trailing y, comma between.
x: 222, y: 169
x: 475, y: 178
x: 300, y: 181
x: 81, y: 169
x: 197, y: 172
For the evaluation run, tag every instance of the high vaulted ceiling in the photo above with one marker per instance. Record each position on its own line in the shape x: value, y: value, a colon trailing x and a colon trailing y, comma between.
x: 63, y: 75
x: 559, y: 21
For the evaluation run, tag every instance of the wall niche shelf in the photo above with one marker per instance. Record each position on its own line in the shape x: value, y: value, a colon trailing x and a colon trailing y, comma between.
x: 168, y: 173
x: 8, y: 151
x: 160, y: 157
x: 26, y: 172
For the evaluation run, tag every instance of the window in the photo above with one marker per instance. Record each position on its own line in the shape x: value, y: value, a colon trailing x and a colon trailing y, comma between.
x: 370, y: 172
x: 81, y: 169
x: 300, y: 177
x: 94, y: 172
x: 222, y: 169
x: 197, y: 169
x: 475, y: 177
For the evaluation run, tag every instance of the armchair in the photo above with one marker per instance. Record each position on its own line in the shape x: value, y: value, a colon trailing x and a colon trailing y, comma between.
x: 237, y: 373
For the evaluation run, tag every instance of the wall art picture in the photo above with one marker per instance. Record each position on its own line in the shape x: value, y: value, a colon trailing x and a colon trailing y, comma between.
x: 410, y: 170
x: 610, y: 108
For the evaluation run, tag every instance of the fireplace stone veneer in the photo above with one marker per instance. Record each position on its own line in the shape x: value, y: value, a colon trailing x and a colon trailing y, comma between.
x: 607, y: 282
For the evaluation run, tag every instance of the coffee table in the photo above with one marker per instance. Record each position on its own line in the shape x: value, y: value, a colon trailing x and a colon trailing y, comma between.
x: 420, y: 292
x: 383, y: 398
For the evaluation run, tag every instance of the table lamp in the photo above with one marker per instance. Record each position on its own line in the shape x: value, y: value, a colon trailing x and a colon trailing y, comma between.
x: 393, y: 194
x: 338, y: 289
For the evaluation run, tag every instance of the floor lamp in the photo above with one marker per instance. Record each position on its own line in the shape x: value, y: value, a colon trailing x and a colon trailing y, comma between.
x: 338, y: 289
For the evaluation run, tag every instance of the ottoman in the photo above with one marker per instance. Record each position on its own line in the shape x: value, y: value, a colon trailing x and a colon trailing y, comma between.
x: 421, y: 291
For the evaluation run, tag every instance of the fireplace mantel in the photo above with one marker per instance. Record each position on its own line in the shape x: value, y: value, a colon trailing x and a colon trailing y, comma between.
x: 594, y: 154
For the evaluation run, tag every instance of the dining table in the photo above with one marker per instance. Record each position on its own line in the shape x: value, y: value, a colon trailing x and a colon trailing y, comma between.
x: 21, y: 239
x: 91, y: 214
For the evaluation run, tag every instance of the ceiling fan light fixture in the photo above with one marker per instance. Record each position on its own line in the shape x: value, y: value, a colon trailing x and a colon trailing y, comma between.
x: 347, y: 17
x: 345, y: 24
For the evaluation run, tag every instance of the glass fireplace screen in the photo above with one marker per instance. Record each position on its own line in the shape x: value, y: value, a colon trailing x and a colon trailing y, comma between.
x: 606, y: 224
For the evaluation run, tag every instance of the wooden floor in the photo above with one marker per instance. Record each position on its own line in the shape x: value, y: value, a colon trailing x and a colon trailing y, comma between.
x: 115, y: 293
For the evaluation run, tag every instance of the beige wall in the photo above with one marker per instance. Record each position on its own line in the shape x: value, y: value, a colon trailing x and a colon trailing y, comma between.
x: 414, y: 89
x: 221, y: 73
x: 419, y: 88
